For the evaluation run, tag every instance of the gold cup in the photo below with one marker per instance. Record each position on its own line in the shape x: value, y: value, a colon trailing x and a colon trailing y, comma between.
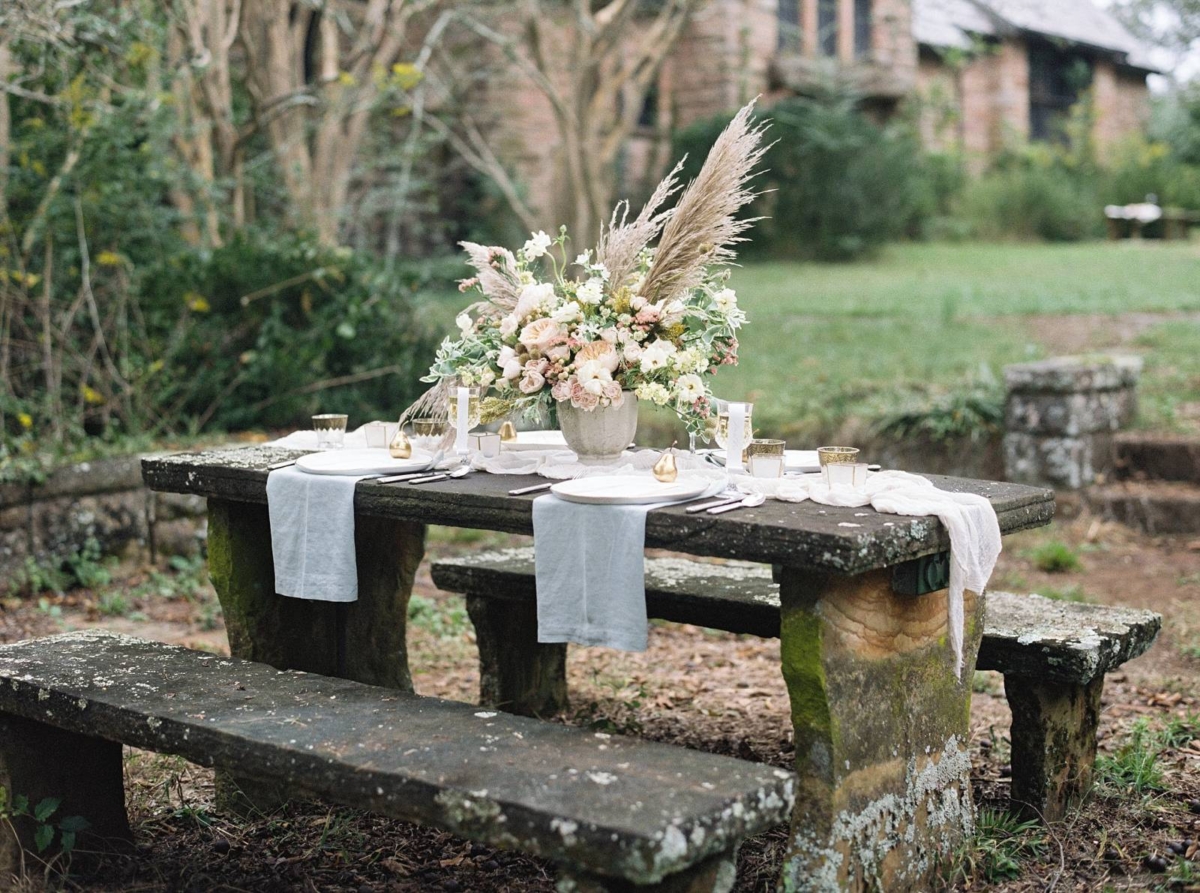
x: 764, y: 458
x: 331, y: 429
x: 837, y: 464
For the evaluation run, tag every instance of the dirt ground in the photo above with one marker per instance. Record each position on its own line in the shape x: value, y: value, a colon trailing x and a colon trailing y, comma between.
x: 697, y: 688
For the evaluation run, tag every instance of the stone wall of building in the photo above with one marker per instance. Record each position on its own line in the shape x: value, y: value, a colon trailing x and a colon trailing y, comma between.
x: 1122, y: 105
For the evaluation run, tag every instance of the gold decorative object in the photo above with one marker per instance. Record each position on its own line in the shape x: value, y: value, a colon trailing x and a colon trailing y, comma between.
x: 401, y: 446
x: 666, y: 469
x: 508, y: 432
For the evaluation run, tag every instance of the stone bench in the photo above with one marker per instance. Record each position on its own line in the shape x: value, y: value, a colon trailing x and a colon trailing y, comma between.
x: 1053, y: 654
x: 613, y: 813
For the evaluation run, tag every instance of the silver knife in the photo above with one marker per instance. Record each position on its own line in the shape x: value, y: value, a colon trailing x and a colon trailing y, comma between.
x: 396, y: 478
x: 702, y: 506
x: 521, y: 491
x: 275, y: 466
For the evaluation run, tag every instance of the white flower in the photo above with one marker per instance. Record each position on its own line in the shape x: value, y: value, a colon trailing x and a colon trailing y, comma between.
x: 534, y: 298
x: 609, y: 335
x: 463, y: 321
x: 632, y: 351
x: 568, y: 312
x: 512, y: 369
x: 656, y: 355
x: 537, y: 245
x: 584, y: 259
x: 592, y: 291
x: 690, y: 360
x: 593, y: 376
x: 671, y: 312
x: 689, y: 388
x: 601, y: 271
x: 506, y: 354
x: 532, y: 382
x: 726, y: 300
x: 508, y: 325
x: 637, y: 302
x: 487, y: 377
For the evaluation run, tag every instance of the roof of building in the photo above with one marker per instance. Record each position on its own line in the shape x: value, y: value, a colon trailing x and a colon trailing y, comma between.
x: 956, y: 23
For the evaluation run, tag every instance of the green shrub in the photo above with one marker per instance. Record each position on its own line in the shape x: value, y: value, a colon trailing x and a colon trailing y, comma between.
x: 975, y: 413
x: 1033, y: 200
x: 1055, y: 557
x: 1140, y: 168
x: 265, y: 331
x: 1135, y: 764
x: 836, y: 185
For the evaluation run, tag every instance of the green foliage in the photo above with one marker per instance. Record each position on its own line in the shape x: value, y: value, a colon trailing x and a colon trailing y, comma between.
x: 1135, y: 764
x: 261, y: 331
x: 66, y: 828
x: 444, y: 618
x: 1002, y: 841
x: 977, y: 413
x: 1033, y: 197
x: 87, y: 568
x: 1055, y: 557
x: 836, y: 184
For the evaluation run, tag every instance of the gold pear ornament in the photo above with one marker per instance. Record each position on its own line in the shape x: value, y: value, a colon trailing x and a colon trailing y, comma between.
x: 508, y: 432
x: 666, y: 469
x: 401, y: 446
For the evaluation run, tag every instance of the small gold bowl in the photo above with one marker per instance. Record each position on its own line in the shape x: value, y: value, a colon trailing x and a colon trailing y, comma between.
x: 428, y: 427
x: 761, y: 447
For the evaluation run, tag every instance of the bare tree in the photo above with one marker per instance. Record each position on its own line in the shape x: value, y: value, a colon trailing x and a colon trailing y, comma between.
x: 594, y: 61
x: 315, y: 70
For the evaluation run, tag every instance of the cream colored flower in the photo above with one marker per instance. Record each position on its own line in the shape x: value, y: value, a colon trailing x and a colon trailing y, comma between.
x: 592, y: 291
x: 541, y: 335
x: 689, y: 388
x: 600, y: 352
x: 532, y: 382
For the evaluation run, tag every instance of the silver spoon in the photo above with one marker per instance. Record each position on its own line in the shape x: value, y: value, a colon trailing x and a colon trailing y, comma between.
x: 754, y: 499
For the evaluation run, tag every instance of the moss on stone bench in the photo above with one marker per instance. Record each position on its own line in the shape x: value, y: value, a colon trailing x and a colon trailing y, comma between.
x: 1053, y: 654
x: 612, y: 812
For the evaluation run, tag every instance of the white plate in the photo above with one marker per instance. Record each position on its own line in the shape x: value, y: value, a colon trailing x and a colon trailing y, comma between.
x: 536, y: 440
x: 796, y: 461
x: 358, y: 462
x: 628, y: 489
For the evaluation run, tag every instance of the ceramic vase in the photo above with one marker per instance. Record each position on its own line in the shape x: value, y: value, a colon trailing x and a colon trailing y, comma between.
x: 599, y: 436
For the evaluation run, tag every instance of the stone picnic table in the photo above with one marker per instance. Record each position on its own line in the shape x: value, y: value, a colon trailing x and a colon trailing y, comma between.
x: 881, y: 719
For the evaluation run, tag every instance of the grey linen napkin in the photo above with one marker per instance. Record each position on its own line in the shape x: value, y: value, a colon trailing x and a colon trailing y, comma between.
x: 590, y: 570
x: 312, y: 534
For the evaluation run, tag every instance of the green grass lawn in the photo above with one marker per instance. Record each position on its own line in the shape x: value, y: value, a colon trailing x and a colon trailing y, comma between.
x: 829, y: 342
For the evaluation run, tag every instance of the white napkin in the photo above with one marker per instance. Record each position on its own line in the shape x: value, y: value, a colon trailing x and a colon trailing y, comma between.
x: 590, y: 571
x: 312, y: 534
x: 969, y: 518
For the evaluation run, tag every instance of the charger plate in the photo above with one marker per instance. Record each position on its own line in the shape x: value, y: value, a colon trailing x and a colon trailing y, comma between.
x: 628, y: 489
x: 360, y: 462
x: 536, y: 440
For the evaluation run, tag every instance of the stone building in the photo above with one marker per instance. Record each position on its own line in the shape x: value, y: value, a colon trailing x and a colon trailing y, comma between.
x: 984, y: 75
x: 987, y: 73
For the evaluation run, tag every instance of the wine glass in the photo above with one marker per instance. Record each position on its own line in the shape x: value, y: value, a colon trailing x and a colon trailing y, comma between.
x: 721, y: 428
x: 473, y: 395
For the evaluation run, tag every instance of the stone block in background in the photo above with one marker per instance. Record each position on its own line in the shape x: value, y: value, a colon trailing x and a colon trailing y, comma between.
x: 1061, y: 414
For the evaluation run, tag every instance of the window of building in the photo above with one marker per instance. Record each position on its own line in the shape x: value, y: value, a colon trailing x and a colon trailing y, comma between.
x: 1056, y: 78
x: 788, y: 16
x: 827, y: 27
x: 862, y: 28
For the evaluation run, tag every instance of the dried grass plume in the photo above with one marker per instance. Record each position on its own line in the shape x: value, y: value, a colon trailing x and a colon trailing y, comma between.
x: 703, y: 228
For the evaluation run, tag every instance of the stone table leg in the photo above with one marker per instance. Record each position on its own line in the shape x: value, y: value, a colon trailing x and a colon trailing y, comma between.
x: 881, y: 723
x: 517, y: 674
x: 716, y: 874
x: 1053, y: 743
x: 295, y: 634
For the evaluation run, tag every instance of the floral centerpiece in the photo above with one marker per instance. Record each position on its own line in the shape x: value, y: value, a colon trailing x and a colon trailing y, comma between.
x: 648, y: 311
